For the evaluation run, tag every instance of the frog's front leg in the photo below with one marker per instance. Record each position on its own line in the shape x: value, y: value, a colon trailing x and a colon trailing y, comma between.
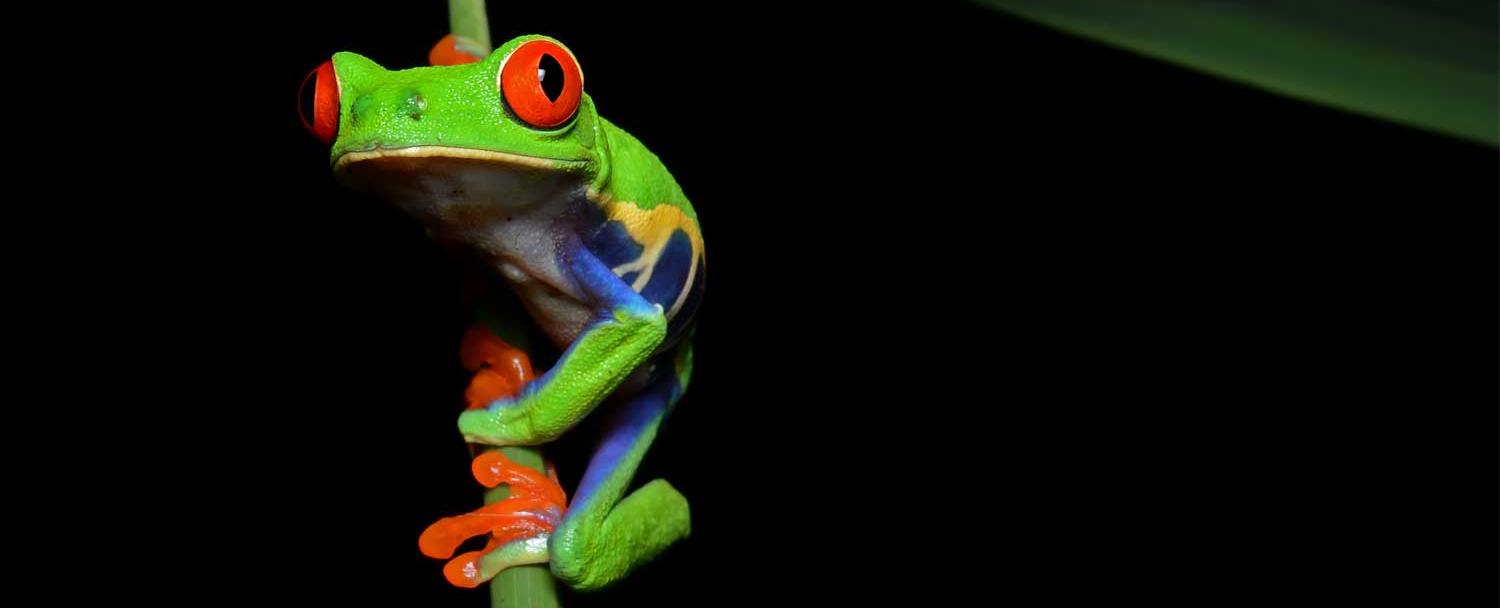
x: 625, y: 331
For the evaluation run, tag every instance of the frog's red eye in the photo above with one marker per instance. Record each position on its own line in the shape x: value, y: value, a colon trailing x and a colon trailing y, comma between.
x: 542, y: 83
x: 322, y: 103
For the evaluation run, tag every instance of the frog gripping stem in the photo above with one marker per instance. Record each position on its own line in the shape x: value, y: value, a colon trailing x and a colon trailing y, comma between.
x: 527, y: 505
x: 527, y: 515
x: 605, y: 264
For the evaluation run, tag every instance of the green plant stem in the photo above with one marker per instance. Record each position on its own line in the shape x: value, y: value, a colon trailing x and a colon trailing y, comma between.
x: 470, y: 26
x: 529, y: 586
x: 522, y: 586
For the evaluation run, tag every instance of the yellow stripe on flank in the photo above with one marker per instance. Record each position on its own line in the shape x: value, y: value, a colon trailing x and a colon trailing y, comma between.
x: 652, y: 228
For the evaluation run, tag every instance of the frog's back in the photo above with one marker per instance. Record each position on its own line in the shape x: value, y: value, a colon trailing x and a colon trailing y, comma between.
x: 649, y: 234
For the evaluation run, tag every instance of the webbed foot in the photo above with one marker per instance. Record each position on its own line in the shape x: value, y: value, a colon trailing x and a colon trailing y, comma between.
x: 520, y: 524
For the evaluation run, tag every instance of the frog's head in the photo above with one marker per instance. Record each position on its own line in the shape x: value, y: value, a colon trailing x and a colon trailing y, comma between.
x: 513, y: 129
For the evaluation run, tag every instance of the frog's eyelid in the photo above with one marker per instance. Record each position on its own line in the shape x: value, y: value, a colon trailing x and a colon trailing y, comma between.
x: 324, y: 102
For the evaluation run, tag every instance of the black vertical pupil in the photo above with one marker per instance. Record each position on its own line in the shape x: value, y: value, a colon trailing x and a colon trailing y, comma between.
x: 552, y: 77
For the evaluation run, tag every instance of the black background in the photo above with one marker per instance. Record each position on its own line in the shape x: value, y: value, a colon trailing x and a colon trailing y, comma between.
x: 990, y: 310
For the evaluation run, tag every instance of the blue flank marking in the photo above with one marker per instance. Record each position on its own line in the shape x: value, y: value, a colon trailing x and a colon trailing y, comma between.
x: 621, y: 434
x: 613, y: 245
x: 669, y: 277
x: 630, y: 277
x: 677, y: 327
x: 598, y: 281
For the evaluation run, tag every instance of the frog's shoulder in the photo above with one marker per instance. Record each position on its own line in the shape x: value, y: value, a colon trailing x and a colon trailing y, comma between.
x: 649, y: 235
x: 637, y: 176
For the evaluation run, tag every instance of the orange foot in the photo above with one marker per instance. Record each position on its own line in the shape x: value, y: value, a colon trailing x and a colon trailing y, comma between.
x: 529, y: 513
x: 500, y: 370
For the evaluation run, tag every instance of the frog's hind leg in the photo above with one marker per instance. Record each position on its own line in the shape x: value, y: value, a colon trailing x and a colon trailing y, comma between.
x: 605, y: 534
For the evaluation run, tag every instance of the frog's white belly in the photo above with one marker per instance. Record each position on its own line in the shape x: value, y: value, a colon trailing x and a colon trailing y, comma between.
x: 524, y: 247
x: 511, y: 215
x: 559, y: 315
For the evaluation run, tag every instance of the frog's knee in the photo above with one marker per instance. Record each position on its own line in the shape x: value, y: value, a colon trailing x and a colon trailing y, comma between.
x: 589, y: 553
x: 575, y: 561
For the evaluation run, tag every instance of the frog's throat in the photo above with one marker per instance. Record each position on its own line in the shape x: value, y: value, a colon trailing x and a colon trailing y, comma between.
x: 504, y: 158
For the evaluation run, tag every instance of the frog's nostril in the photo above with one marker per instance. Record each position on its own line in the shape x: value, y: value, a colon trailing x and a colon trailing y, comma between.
x: 362, y: 106
x: 415, y: 106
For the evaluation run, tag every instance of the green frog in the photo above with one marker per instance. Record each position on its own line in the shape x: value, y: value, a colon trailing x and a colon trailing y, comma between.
x: 507, y: 159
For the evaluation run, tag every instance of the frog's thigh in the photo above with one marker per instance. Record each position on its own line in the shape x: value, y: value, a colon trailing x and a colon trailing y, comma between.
x: 602, y: 537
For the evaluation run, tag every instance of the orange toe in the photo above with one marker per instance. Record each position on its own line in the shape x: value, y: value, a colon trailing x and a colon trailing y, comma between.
x: 500, y: 369
x: 444, y: 536
x: 446, y: 52
x: 492, y: 468
x: 487, y: 386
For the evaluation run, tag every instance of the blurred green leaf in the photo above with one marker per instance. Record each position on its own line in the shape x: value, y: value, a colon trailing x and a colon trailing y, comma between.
x: 1433, y: 65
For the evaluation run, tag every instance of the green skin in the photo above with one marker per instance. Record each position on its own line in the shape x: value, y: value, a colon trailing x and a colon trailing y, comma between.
x: 441, y: 143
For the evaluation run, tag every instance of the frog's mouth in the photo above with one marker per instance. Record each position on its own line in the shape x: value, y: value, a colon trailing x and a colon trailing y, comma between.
x: 449, y: 152
x: 440, y: 179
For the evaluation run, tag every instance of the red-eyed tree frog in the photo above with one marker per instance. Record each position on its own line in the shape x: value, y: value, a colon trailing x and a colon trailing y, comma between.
x: 507, y: 159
